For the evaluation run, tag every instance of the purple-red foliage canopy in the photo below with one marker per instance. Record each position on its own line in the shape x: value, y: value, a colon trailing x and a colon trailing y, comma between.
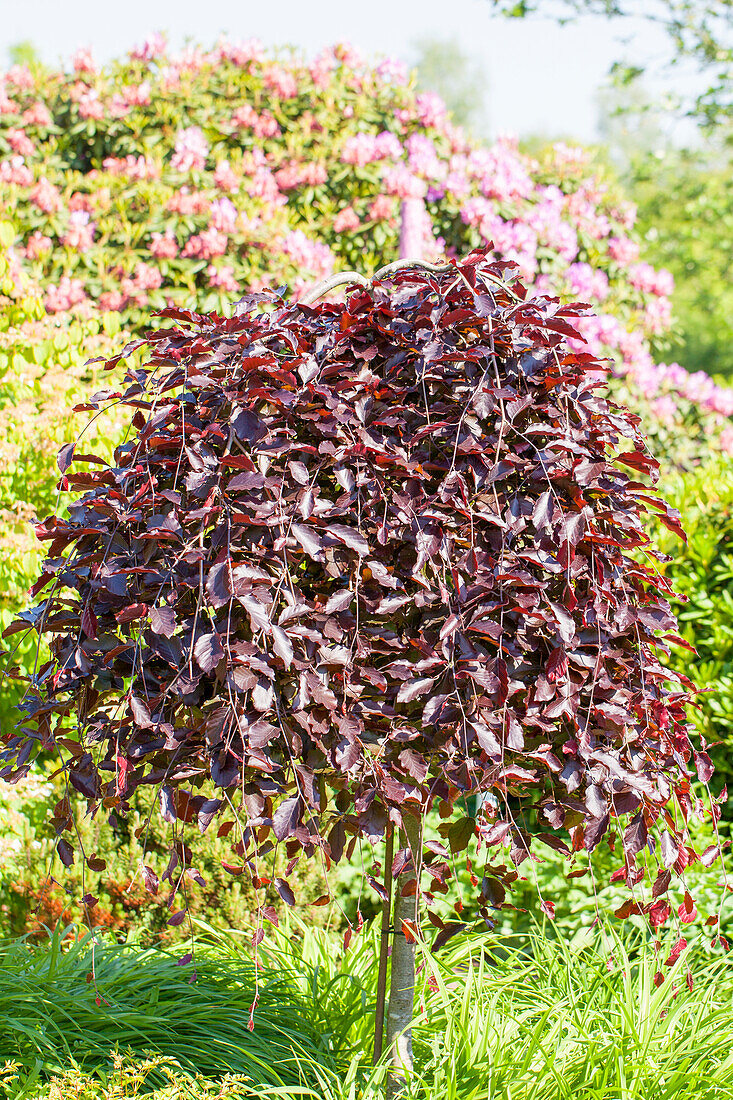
x: 358, y: 560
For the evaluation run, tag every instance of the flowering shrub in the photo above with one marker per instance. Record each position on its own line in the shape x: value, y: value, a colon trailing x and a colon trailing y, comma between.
x: 189, y: 179
x: 43, y: 371
x: 356, y: 562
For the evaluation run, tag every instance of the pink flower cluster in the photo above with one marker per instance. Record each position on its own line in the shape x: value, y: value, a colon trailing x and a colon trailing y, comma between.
x: 19, y: 142
x: 297, y: 174
x: 223, y: 278
x: 187, y: 202
x: 587, y: 282
x: 399, y: 180
x: 191, y: 150
x: 500, y: 172
x: 206, y: 245
x: 163, y: 246
x: 311, y: 256
x: 16, y: 171
x: 79, y: 234
x: 46, y: 196
x: 363, y: 148
x: 646, y: 278
x: 225, y: 178
x: 346, y: 220
x: 263, y: 125
x: 132, y: 168
x: 64, y: 296
x: 38, y: 245
x: 223, y: 215
x: 37, y: 115
x: 280, y: 81
x: 623, y: 250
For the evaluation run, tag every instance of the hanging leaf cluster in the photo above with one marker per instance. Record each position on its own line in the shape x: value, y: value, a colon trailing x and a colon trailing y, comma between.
x: 361, y: 560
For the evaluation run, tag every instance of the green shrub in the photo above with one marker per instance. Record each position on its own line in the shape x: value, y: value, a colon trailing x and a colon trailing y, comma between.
x: 702, y: 571
x: 523, y: 1019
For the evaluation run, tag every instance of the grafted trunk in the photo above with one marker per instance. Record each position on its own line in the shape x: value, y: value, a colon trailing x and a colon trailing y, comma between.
x: 402, y: 980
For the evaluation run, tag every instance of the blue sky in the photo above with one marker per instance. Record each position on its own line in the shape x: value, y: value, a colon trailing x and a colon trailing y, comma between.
x: 542, y: 78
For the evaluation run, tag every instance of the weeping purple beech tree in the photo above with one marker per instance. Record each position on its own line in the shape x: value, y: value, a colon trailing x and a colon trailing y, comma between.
x: 353, y: 563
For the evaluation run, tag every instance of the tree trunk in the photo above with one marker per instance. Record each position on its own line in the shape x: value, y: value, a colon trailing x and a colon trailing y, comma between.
x: 402, y: 981
x: 384, y: 946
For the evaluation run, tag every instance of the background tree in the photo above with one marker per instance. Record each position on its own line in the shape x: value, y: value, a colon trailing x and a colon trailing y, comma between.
x: 460, y: 80
x: 700, y: 33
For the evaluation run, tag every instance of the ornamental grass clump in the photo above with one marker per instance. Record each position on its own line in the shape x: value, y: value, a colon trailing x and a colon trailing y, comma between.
x: 355, y: 562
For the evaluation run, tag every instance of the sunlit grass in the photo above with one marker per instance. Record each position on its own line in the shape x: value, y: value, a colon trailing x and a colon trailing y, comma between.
x: 524, y: 1020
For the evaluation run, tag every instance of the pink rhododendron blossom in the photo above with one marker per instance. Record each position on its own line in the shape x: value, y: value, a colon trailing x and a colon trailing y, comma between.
x: 363, y: 148
x: 586, y: 216
x: 359, y: 149
x: 321, y: 69
x: 170, y: 79
x: 163, y: 246
x: 64, y: 296
x: 726, y: 440
x: 191, y: 59
x: 191, y: 150
x: 264, y: 125
x: 244, y: 117
x: 600, y: 332
x: 243, y: 54
x: 382, y: 207
x: 392, y: 71
x: 658, y: 315
x: 280, y: 81
x: 223, y: 278
x: 500, y: 172
x: 312, y: 256
x: 38, y: 245
x: 118, y: 107
x: 90, y: 105
x: 137, y: 95
x: 296, y: 175
x: 348, y: 55
x: 37, y: 115
x: 430, y: 110
x: 206, y: 245
x: 416, y: 231
x: 223, y: 215
x: 134, y: 168
x: 422, y: 158
x: 80, y: 232
x: 476, y: 209
x: 346, y: 220
x: 623, y: 250
x: 16, y: 171
x: 646, y: 278
x: 83, y: 62
x: 153, y: 47
x: 147, y: 277
x: 587, y: 282
x: 399, y: 180
x: 263, y: 185
x: 187, y: 202
x: 225, y: 178
x: 19, y: 142
x: 665, y: 409
x: 46, y: 196
x: 8, y: 106
x: 21, y: 77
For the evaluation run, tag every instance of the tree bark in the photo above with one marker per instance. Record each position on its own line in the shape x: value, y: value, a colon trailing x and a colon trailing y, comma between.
x: 383, y: 946
x: 402, y: 980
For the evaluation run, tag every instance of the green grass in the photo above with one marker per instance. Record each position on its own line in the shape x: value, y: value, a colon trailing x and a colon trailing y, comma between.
x: 531, y: 1020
